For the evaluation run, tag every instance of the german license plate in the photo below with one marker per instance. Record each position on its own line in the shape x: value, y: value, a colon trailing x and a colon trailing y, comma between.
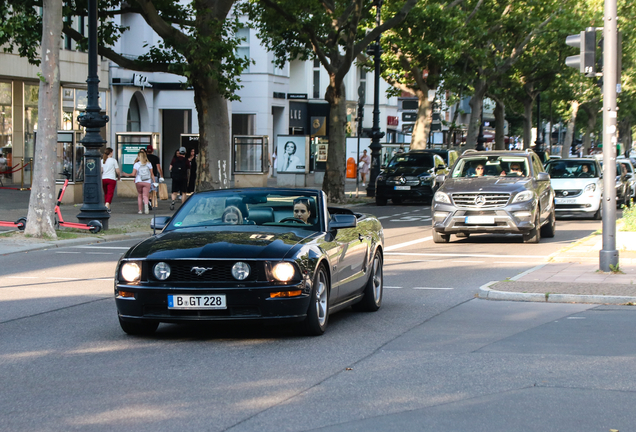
x: 197, y: 301
x: 479, y: 220
x: 402, y: 188
x: 565, y: 200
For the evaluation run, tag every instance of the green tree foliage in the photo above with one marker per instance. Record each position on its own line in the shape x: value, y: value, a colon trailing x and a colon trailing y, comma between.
x: 198, y: 41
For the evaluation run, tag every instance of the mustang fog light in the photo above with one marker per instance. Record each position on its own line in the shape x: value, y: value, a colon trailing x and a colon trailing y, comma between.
x: 162, y: 271
x: 240, y: 270
x: 285, y: 294
x: 283, y: 271
x: 131, y: 272
x: 126, y: 294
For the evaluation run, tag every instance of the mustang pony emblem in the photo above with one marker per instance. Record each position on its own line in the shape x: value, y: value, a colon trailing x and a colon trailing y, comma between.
x: 200, y: 270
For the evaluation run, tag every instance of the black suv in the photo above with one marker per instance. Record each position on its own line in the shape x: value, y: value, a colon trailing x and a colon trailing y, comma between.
x: 495, y: 192
x: 411, y: 175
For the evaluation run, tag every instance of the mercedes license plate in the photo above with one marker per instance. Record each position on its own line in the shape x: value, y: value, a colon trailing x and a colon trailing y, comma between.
x: 402, y: 187
x: 565, y: 201
x: 197, y: 301
x: 479, y: 220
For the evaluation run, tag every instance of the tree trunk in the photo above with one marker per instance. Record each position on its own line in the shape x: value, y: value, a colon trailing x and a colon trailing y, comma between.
x: 422, y: 127
x: 40, y: 217
x: 569, y: 134
x: 476, y: 105
x: 527, y: 123
x: 592, y: 115
x: 500, y: 113
x: 334, y: 181
x: 214, y: 159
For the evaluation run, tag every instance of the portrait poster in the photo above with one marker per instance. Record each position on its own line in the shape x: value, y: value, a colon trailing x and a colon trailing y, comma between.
x: 291, y: 152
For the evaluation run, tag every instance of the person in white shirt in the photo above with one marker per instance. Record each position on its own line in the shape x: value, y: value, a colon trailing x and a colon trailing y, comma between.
x: 142, y: 172
x: 110, y: 175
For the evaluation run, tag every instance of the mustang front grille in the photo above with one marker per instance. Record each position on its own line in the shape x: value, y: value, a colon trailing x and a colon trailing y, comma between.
x: 215, y: 271
x: 480, y: 200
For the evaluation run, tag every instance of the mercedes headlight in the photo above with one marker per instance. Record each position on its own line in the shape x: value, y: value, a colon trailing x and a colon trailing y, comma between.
x: 131, y: 272
x: 523, y: 196
x: 240, y: 270
x: 161, y: 271
x: 441, y: 197
x: 283, y: 271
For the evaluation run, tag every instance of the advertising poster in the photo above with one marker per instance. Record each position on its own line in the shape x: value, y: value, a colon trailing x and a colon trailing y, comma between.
x: 291, y: 152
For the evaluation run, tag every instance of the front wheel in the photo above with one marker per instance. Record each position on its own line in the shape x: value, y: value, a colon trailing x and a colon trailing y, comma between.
x: 318, y: 313
x: 95, y: 226
x: 21, y: 223
x: 138, y: 327
x: 440, y: 238
x: 534, y: 235
x: 372, y: 294
x: 549, y: 229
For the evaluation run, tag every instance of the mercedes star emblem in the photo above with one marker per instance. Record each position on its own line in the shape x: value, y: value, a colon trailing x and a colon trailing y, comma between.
x: 200, y: 270
x: 480, y: 200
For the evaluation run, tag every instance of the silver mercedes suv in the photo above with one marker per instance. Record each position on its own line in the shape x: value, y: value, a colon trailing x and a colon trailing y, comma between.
x: 495, y: 192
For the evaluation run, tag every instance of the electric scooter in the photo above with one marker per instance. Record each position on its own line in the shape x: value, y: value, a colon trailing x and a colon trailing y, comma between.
x: 93, y: 226
x: 20, y: 224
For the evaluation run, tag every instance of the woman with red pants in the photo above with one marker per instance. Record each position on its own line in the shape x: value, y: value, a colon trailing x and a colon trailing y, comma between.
x: 110, y: 175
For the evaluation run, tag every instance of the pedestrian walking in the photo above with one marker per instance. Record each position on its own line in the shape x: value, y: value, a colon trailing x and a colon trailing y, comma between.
x: 192, y: 179
x: 179, y: 172
x: 157, y: 171
x: 144, y: 177
x: 365, y: 163
x: 110, y: 175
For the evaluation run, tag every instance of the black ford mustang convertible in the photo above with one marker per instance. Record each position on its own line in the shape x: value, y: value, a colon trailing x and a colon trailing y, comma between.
x: 252, y: 254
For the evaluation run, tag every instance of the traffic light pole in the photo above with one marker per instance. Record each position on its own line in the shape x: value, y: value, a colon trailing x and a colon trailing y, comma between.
x: 608, y: 256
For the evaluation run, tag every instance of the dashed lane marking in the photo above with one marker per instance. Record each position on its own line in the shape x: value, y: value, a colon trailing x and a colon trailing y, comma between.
x: 432, y: 288
x: 409, y: 243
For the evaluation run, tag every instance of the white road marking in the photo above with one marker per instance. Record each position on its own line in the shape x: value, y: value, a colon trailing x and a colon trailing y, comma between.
x: 541, y: 257
x: 392, y: 287
x: 576, y: 317
x: 412, y: 242
x: 101, y: 247
x: 431, y: 288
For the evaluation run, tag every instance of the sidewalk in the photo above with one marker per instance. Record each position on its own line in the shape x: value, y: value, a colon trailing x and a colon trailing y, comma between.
x: 572, y: 275
x: 124, y: 222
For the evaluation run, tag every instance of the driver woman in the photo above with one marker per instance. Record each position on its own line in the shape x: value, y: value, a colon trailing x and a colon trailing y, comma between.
x: 301, y: 209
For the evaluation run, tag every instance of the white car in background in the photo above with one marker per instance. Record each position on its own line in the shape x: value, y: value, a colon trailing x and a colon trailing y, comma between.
x: 578, y: 186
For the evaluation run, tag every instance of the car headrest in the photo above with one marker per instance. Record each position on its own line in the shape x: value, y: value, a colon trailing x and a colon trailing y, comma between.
x: 261, y: 215
x: 238, y: 203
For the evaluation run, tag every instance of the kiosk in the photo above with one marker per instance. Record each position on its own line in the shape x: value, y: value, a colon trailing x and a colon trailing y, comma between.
x: 251, y: 160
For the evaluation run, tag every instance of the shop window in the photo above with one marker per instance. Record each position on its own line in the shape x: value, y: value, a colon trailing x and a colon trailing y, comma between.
x: 6, y: 117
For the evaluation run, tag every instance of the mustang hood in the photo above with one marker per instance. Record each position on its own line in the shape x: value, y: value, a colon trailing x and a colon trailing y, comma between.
x: 202, y: 243
x: 485, y: 184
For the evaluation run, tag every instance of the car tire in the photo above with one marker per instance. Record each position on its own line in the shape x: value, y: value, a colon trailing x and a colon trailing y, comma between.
x: 373, y: 290
x: 534, y: 235
x: 380, y: 201
x: 440, y: 238
x: 549, y: 230
x: 598, y: 215
x: 462, y: 235
x: 317, y: 318
x: 138, y: 327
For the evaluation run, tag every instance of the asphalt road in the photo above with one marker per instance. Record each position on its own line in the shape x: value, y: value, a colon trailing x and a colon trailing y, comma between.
x: 432, y: 358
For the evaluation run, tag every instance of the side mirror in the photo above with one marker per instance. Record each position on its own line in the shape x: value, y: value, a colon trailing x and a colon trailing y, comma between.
x: 542, y: 176
x: 340, y: 221
x: 441, y: 178
x: 440, y: 168
x: 159, y: 222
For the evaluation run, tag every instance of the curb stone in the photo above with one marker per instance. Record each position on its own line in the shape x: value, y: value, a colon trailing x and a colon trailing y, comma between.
x: 489, y: 294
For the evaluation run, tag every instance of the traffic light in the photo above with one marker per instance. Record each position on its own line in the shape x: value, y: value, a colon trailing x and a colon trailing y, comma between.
x: 585, y: 62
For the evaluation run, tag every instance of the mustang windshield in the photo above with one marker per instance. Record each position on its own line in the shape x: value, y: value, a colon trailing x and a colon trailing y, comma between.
x: 264, y: 208
x: 564, y: 168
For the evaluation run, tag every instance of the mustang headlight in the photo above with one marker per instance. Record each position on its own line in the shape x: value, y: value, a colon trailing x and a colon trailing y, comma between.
x: 523, y: 196
x: 379, y: 178
x: 161, y: 271
x: 283, y: 271
x: 240, y: 270
x: 441, y: 197
x: 590, y: 188
x: 131, y: 272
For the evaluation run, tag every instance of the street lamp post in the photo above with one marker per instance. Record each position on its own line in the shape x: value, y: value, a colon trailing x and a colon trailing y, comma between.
x: 93, y: 207
x: 376, y: 147
x: 539, y: 142
x: 480, y: 138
